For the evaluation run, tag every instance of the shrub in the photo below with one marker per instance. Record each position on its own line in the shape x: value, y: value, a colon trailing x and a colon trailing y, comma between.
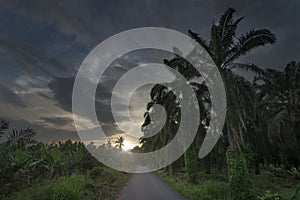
x: 96, y: 172
x: 295, y: 172
x: 277, y: 170
x: 210, y: 190
x: 205, y: 191
x: 296, y: 196
x: 268, y: 195
x: 75, y: 187
x: 103, y: 174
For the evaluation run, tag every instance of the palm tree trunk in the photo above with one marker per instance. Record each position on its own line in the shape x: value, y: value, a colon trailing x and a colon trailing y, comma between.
x: 233, y: 144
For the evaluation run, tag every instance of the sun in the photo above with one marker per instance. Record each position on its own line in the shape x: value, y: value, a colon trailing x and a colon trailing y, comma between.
x: 127, y: 145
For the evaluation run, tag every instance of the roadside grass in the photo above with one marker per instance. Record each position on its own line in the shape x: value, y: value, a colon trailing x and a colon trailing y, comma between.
x: 215, y: 186
x: 109, y: 181
x: 98, y: 183
x: 74, y: 187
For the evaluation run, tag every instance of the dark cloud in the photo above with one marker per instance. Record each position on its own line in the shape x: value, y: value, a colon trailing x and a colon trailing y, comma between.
x: 9, y: 97
x: 62, y: 90
x: 93, y: 21
x: 32, y: 61
x: 62, y: 87
x: 57, y: 121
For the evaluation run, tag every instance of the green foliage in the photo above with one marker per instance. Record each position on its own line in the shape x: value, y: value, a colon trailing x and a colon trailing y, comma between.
x: 277, y: 170
x: 204, y: 190
x: 295, y: 172
x: 75, y: 187
x: 279, y: 187
x: 55, y: 165
x: 103, y: 173
x: 25, y: 166
x: 268, y: 195
x: 239, y: 184
x: 296, y: 196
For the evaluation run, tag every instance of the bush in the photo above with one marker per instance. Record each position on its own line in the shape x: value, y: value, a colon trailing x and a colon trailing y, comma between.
x: 296, y: 196
x: 268, y: 195
x: 96, y: 172
x: 295, y: 172
x: 210, y: 190
x: 75, y: 187
x: 205, y: 191
x: 103, y: 174
x: 277, y: 170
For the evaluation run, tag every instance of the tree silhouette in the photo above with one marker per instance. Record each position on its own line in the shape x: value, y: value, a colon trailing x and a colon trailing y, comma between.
x: 120, y: 142
x: 225, y: 48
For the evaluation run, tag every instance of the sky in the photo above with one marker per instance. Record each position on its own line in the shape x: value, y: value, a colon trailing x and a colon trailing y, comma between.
x: 43, y: 43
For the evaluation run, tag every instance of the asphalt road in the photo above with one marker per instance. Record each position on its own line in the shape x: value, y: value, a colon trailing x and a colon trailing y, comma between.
x: 148, y: 186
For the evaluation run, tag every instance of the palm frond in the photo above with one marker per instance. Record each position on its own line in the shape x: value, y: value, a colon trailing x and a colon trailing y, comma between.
x: 200, y: 40
x: 274, y: 124
x: 4, y: 125
x: 21, y: 136
x: 249, y: 41
x: 227, y: 29
x: 247, y: 67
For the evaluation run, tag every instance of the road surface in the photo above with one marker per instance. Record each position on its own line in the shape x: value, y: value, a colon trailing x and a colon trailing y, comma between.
x: 148, y: 186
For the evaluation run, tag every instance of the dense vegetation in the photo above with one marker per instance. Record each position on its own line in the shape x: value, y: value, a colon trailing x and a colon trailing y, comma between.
x: 261, y: 132
x: 63, y: 170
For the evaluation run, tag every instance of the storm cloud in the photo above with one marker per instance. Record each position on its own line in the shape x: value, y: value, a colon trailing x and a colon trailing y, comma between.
x: 43, y: 43
x: 9, y: 97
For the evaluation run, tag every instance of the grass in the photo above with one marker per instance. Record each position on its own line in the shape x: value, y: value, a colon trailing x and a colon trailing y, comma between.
x: 74, y: 187
x: 215, y: 186
x: 284, y: 186
x: 100, y: 182
x: 109, y: 181
x: 208, y: 189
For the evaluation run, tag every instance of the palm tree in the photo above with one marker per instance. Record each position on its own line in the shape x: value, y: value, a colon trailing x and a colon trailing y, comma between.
x: 120, y: 142
x: 4, y: 125
x: 279, y: 106
x: 23, y: 137
x: 225, y: 48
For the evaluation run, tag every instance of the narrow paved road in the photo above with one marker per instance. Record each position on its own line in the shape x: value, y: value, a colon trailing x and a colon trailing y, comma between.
x: 148, y: 187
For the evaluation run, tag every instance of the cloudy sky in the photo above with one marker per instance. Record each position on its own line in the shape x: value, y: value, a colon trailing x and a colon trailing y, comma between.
x: 43, y: 43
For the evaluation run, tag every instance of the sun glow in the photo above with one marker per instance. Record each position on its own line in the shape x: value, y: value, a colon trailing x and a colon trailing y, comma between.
x: 128, y: 145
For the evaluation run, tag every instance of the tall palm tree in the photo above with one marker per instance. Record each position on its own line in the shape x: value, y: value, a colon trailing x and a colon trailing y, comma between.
x: 120, y: 142
x: 225, y: 48
x: 279, y: 106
